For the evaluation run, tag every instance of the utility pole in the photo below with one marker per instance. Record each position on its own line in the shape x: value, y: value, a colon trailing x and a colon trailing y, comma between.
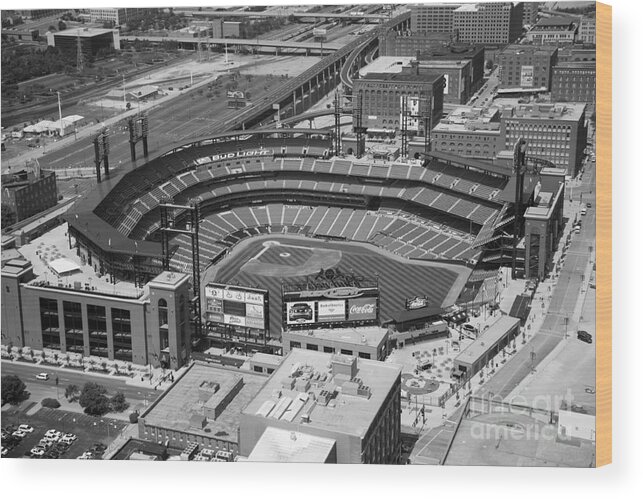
x: 60, y: 116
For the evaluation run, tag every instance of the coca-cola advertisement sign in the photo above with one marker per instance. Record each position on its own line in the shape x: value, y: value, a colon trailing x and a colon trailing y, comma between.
x: 362, y: 309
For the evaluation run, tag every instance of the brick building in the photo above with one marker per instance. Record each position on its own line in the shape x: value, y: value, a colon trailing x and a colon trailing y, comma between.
x: 555, y: 132
x: 527, y: 66
x: 469, y: 132
x: 574, y: 82
x: 382, y: 93
x: 351, y: 403
x: 554, y: 31
x: 29, y: 193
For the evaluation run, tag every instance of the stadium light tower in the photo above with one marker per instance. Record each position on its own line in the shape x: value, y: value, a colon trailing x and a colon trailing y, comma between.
x: 169, y: 213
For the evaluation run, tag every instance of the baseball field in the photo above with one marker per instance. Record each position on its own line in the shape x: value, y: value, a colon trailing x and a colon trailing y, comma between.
x: 267, y: 261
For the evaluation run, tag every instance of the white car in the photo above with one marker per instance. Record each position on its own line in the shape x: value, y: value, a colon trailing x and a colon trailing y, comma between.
x: 69, y: 439
x: 37, y: 451
x: 42, y: 376
x: 52, y: 432
x: 26, y: 428
x: 19, y: 434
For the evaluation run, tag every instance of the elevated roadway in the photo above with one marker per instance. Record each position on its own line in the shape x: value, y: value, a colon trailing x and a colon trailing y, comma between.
x: 188, y: 41
x: 354, y: 16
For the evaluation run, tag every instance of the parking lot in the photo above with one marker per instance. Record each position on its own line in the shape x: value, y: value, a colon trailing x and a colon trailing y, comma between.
x: 89, y: 431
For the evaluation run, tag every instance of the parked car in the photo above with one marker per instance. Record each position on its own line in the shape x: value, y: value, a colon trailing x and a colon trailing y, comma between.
x: 469, y: 327
x: 42, y: 376
x: 19, y: 434
x: 584, y: 336
x: 26, y: 428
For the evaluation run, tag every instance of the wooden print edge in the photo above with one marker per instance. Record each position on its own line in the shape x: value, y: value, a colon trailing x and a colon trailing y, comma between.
x: 603, y: 234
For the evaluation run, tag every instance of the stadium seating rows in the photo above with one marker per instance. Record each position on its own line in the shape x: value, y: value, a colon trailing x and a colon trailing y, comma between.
x: 397, y: 232
x: 198, y: 184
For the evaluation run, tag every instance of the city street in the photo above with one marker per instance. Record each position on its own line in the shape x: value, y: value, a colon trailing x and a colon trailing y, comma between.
x: 559, y: 320
x: 28, y: 372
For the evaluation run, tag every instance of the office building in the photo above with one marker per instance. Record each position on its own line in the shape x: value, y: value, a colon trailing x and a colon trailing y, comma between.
x: 488, y: 23
x: 352, y: 404
x: 553, y: 31
x: 574, y: 82
x: 576, y: 53
x: 526, y: 66
x: 92, y: 40
x: 433, y: 17
x: 381, y: 95
x: 408, y: 44
x: 202, y: 407
x: 27, y: 193
x: 469, y: 132
x: 587, y: 30
x: 555, y: 132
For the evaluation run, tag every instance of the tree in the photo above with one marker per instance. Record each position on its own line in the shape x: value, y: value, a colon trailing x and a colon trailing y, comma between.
x: 93, y: 399
x: 14, y: 391
x: 50, y: 403
x: 72, y: 393
x: 119, y: 404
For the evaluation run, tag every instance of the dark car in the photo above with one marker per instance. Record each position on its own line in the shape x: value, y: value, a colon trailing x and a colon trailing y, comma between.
x: 300, y: 311
x: 584, y: 336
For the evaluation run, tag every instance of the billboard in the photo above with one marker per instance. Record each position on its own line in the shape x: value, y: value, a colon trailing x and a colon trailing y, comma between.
x: 300, y: 312
x: 236, y: 306
x: 362, y: 309
x: 331, y: 310
x: 412, y: 111
x: 526, y: 76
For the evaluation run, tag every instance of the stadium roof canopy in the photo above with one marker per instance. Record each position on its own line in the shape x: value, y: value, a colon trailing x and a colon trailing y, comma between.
x: 469, y: 162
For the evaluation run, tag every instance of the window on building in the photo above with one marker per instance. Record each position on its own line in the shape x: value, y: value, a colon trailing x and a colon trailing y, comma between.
x: 258, y: 369
x: 49, y: 323
x: 346, y: 352
x: 364, y: 355
x: 73, y: 320
x: 97, y: 325
x: 295, y: 344
x: 122, y: 329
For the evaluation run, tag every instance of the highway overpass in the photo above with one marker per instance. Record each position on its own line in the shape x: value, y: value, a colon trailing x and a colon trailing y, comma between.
x: 310, y: 48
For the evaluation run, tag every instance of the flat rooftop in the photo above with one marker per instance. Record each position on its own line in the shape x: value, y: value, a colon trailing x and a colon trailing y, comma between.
x: 54, y: 245
x: 285, y: 394
x: 386, y: 64
x: 83, y: 32
x: 487, y: 339
x: 567, y: 111
x: 283, y: 446
x: 518, y: 49
x: 368, y: 336
x: 468, y: 119
x: 402, y: 77
x: 178, y: 406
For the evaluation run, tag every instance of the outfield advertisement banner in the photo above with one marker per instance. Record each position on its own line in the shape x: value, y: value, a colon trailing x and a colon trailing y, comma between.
x: 362, y: 309
x: 300, y: 312
x: 331, y: 310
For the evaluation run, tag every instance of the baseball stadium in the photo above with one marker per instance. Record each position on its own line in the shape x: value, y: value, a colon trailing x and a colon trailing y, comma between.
x: 260, y: 208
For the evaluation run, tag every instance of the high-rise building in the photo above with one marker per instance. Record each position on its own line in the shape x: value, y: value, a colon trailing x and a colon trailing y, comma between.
x: 117, y: 15
x: 347, y: 407
x: 433, y: 17
x: 526, y: 66
x: 555, y: 132
x: 488, y: 23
